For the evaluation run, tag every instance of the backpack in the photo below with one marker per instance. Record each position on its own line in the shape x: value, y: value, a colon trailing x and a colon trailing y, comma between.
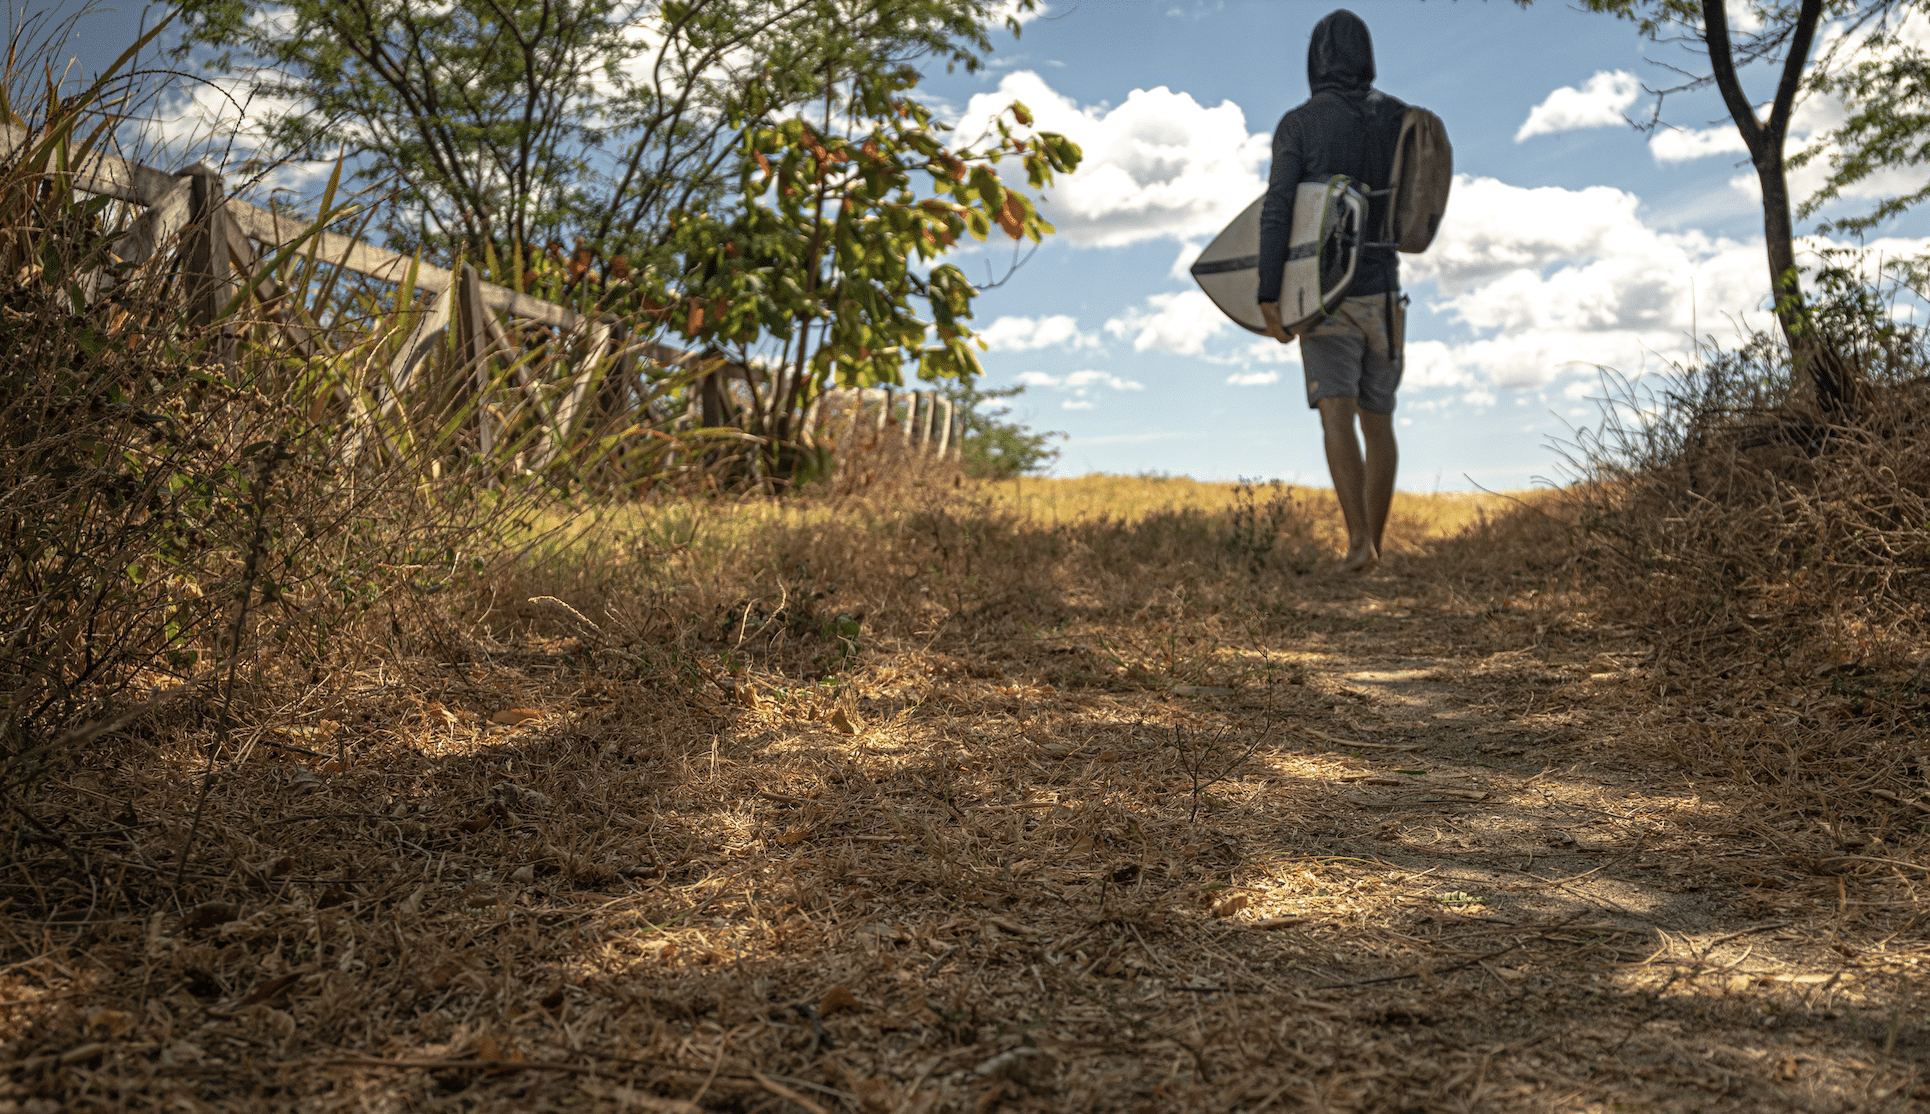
x: 1423, y: 171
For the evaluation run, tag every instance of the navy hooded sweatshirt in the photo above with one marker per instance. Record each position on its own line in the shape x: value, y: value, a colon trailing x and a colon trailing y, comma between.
x: 1346, y: 127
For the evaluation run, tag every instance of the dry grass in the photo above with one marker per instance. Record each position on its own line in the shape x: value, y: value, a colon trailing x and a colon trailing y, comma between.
x: 930, y: 801
x: 1416, y: 518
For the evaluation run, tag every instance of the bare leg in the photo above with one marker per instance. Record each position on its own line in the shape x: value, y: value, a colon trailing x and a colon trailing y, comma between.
x: 1349, y: 472
x: 1383, y: 457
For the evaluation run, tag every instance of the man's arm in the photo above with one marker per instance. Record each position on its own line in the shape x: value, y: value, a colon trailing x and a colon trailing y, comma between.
x: 1276, y: 225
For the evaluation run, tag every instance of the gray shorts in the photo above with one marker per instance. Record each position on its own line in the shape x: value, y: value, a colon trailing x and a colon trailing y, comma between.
x: 1348, y: 355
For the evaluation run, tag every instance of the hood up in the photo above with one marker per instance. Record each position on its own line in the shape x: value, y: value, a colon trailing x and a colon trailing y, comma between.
x: 1341, y: 55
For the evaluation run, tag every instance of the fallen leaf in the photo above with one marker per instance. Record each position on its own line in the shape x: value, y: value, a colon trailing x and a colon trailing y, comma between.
x: 443, y: 972
x: 783, y: 1092
x: 208, y: 914
x: 111, y: 1023
x: 796, y: 833
x: 875, y: 1096
x: 1227, y: 906
x: 846, y: 723
x: 333, y: 766
x: 837, y: 1000
x: 578, y: 868
x: 510, y: 717
x: 515, y: 796
x: 272, y: 867
x: 524, y: 873
x: 270, y: 989
x: 82, y: 1052
x: 498, y: 1050
x: 1031, y: 1068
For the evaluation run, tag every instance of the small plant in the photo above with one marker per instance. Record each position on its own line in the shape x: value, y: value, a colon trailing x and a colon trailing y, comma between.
x: 1263, y: 516
x: 1209, y: 761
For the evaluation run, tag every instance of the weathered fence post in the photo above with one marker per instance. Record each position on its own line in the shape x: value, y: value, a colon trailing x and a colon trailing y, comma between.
x: 945, y: 435
x: 204, y: 253
x: 474, y: 345
x: 924, y: 426
x: 851, y: 418
x: 716, y: 405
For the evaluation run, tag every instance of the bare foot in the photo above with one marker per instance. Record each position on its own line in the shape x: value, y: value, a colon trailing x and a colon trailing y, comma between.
x: 1361, y: 561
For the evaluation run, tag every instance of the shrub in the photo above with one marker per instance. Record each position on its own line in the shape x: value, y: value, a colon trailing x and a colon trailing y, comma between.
x: 1720, y: 510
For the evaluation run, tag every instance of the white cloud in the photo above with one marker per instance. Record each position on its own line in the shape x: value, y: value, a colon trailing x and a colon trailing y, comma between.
x: 1598, y: 104
x: 1159, y: 165
x: 1811, y: 116
x: 1252, y: 378
x: 1080, y: 385
x: 221, y: 121
x: 1550, y: 283
x: 1673, y: 145
x: 1021, y: 334
x: 1181, y: 323
x: 1009, y: 9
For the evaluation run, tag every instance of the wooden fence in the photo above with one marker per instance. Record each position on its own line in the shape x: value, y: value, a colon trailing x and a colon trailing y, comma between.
x: 215, y: 239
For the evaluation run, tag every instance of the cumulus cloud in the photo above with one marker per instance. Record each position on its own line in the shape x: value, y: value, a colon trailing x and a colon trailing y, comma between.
x: 1009, y: 9
x: 1252, y: 378
x: 1548, y: 283
x: 1674, y: 145
x: 1598, y: 104
x: 222, y: 121
x: 1081, y: 386
x: 1158, y: 165
x: 1180, y: 323
x: 1022, y: 334
x: 1810, y: 117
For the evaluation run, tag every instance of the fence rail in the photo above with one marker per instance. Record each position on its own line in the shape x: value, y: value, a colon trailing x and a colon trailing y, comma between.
x: 215, y: 236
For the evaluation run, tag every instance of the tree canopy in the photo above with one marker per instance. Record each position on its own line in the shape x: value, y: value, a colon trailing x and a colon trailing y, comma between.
x: 513, y: 122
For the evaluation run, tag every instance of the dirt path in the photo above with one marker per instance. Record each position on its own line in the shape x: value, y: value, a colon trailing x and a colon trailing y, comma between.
x: 1395, y: 851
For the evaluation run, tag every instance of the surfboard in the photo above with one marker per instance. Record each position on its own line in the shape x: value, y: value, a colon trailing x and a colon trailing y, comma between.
x: 1322, y: 255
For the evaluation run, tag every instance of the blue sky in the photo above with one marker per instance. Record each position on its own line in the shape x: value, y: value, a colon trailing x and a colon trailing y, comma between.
x: 1571, y: 241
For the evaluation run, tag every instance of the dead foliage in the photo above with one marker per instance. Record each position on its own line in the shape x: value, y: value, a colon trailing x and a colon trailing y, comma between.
x: 931, y: 802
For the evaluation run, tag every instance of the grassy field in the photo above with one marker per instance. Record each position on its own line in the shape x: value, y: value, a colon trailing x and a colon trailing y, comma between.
x: 1421, y: 518
x: 1093, y: 794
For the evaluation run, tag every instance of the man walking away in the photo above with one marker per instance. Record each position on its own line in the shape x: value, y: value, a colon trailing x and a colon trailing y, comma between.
x: 1352, y: 358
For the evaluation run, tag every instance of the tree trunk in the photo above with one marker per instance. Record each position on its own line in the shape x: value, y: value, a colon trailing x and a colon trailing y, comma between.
x: 1810, y: 353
